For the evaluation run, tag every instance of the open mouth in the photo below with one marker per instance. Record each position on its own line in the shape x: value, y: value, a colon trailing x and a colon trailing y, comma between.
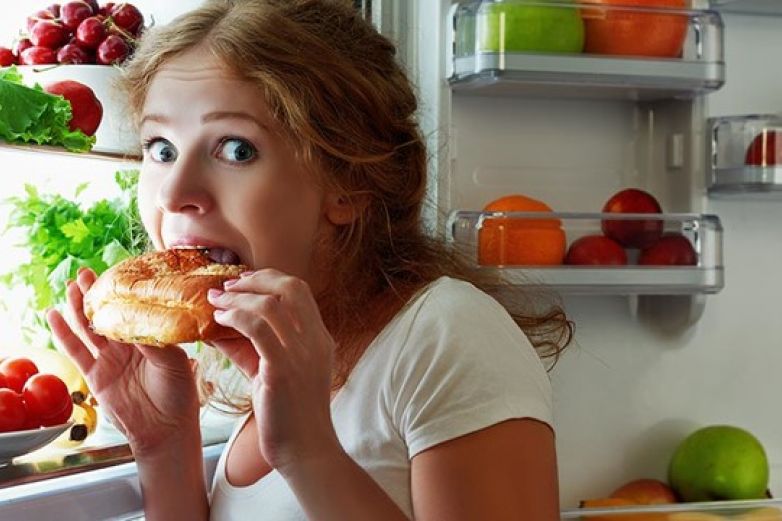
x: 217, y: 254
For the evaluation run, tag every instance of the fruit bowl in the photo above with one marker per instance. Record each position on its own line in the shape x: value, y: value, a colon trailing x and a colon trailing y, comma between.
x: 116, y: 134
x: 746, y: 155
x: 18, y: 443
x: 685, y: 256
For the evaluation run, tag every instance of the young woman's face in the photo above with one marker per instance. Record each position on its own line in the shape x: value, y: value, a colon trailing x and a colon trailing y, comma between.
x: 217, y: 174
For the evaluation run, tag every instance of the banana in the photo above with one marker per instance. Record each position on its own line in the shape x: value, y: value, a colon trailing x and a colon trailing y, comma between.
x: 85, y: 419
x: 56, y: 363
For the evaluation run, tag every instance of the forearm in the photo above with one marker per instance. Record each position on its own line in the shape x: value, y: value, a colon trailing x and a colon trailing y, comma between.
x: 172, y: 481
x: 336, y: 488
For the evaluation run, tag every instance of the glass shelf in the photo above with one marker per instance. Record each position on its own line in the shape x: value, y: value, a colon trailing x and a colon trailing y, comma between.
x: 746, y: 156
x: 95, y: 153
x: 752, y: 510
x: 501, y: 48
x: 682, y: 254
x: 755, y: 7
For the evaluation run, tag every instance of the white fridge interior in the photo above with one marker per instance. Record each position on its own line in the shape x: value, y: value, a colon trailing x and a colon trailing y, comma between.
x: 643, y: 372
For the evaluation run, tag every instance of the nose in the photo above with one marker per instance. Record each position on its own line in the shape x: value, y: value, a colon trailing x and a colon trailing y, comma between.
x: 184, y: 190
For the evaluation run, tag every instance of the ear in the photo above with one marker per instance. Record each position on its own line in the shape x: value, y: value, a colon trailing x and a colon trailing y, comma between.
x: 341, y: 210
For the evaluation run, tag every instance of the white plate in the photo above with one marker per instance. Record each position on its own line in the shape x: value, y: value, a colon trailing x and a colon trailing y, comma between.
x: 116, y: 134
x: 13, y: 444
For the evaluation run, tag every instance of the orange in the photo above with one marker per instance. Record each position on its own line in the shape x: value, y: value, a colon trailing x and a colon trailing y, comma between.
x: 520, y: 241
x: 618, y: 502
x: 635, y: 33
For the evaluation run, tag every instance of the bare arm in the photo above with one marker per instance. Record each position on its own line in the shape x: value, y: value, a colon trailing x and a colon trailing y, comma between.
x: 506, y: 472
x: 172, y: 481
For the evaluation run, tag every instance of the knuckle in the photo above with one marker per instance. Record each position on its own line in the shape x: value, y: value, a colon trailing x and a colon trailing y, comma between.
x: 268, y: 304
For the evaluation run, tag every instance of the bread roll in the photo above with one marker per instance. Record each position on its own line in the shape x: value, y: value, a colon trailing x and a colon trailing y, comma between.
x: 159, y: 298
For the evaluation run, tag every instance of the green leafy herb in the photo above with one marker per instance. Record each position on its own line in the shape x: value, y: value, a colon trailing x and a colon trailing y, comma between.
x: 61, y: 237
x: 30, y: 115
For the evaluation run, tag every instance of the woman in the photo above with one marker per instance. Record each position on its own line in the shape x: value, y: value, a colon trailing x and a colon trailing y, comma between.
x: 384, y: 385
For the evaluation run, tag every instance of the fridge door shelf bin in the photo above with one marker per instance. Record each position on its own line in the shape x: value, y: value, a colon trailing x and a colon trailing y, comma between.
x: 746, y: 510
x: 753, y: 7
x: 746, y: 156
x: 502, y: 241
x: 493, y: 55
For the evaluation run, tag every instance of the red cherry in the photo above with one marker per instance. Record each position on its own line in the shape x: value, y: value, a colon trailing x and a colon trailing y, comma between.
x: 106, y: 9
x: 671, y: 250
x: 633, y: 233
x: 43, y: 14
x: 94, y: 6
x: 90, y: 33
x: 7, y: 57
x: 73, y: 54
x: 74, y: 13
x: 596, y: 250
x: 127, y: 17
x: 23, y: 44
x: 112, y: 50
x: 37, y: 56
x: 54, y: 9
x: 765, y: 149
x: 48, y: 33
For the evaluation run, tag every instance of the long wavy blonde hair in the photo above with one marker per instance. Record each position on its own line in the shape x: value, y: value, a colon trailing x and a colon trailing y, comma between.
x: 334, y: 86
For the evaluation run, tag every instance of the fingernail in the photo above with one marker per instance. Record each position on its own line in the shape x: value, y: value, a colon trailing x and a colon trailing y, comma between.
x: 246, y: 273
x: 229, y: 283
x: 81, y: 270
x: 214, y: 293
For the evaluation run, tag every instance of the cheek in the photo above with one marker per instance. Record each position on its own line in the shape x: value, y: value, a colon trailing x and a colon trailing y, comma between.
x: 150, y: 215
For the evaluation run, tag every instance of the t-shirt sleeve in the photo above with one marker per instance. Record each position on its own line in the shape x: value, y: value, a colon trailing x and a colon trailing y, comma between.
x: 464, y: 366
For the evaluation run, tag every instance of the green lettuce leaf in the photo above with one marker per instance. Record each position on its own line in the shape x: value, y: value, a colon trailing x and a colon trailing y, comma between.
x: 30, y: 115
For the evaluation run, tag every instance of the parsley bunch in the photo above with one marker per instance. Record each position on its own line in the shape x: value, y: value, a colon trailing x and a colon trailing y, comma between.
x: 61, y: 237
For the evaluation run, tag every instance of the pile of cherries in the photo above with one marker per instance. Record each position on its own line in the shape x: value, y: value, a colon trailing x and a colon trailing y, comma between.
x: 79, y: 31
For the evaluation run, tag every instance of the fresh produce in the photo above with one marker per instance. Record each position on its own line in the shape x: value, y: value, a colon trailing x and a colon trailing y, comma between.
x: 520, y: 242
x: 671, y: 250
x: 85, y: 421
x: 86, y: 107
x: 83, y: 24
x: 12, y: 411
x: 62, y: 237
x: 47, y: 398
x: 517, y: 26
x: 765, y: 149
x: 646, y: 492
x: 7, y: 57
x: 16, y: 372
x: 635, y: 33
x: 596, y: 250
x: 633, y: 233
x: 719, y: 462
x: 31, y: 115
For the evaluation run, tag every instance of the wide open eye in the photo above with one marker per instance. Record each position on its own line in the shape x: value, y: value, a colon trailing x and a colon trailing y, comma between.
x: 161, y: 150
x: 236, y: 150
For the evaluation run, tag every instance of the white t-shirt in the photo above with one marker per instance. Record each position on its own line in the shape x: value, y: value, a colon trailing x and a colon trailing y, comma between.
x: 450, y: 363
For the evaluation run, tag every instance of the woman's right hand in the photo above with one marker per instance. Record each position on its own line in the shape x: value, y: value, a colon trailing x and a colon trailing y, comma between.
x: 149, y: 392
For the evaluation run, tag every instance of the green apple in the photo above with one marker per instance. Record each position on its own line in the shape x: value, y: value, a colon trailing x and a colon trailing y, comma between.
x: 517, y: 26
x: 719, y: 462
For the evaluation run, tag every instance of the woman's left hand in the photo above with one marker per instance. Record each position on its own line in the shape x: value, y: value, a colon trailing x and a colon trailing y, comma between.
x: 288, y: 354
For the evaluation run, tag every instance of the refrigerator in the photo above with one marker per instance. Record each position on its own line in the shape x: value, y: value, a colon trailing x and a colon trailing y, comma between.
x: 658, y: 351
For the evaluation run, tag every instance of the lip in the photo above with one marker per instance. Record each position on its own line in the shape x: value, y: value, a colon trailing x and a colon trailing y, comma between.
x: 191, y: 240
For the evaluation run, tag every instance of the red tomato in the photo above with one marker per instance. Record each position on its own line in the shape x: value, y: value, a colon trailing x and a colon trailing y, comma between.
x: 12, y: 411
x: 47, y: 398
x: 16, y: 372
x: 3, y: 383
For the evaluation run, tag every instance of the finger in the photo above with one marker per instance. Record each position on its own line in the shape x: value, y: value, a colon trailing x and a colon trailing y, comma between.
x: 85, y: 278
x: 81, y: 327
x: 255, y: 328
x: 240, y: 352
x: 72, y: 344
x: 294, y: 292
x: 169, y: 357
x: 269, y: 307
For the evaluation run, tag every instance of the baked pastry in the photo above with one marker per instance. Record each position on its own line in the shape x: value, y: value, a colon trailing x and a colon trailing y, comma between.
x: 159, y: 298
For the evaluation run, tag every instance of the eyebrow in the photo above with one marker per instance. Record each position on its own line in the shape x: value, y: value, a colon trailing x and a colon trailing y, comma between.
x: 212, y: 116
